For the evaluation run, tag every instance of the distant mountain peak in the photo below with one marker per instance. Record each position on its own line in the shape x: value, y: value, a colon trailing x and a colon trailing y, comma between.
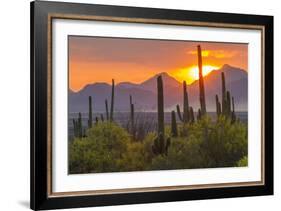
x: 226, y: 66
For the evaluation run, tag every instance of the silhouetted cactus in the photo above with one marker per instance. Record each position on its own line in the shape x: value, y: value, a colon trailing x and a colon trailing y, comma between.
x: 90, y: 119
x: 185, y: 117
x: 77, y: 125
x: 112, y: 101
x: 97, y: 120
x: 80, y: 125
x: 185, y: 104
x: 174, y: 128
x: 223, y: 100
x: 101, y: 117
x: 218, y: 106
x: 106, y: 110
x: 233, y: 115
x: 160, y: 107
x: 225, y: 107
x: 160, y: 145
x: 228, y: 104
x: 179, y: 113
x: 199, y: 114
x: 201, y: 82
x: 132, y: 116
x: 191, y: 114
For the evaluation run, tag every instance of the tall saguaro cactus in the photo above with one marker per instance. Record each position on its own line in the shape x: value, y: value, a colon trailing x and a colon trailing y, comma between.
x: 80, y: 125
x: 185, y: 104
x: 226, y: 102
x: 174, y: 128
x: 90, y: 119
x: 191, y: 114
x: 101, y: 117
x: 199, y: 114
x: 185, y: 117
x: 201, y: 82
x: 160, y: 145
x: 179, y: 113
x: 106, y: 110
x: 233, y: 116
x: 218, y: 106
x: 112, y: 101
x: 132, y: 116
x: 223, y: 100
x: 160, y: 107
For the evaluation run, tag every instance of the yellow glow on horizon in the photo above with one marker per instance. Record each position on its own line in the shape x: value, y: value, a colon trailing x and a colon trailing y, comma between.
x: 191, y: 74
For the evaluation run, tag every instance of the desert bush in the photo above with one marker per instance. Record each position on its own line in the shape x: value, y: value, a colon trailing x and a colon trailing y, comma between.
x: 243, y: 162
x: 207, y: 145
x: 108, y: 147
x: 100, y: 151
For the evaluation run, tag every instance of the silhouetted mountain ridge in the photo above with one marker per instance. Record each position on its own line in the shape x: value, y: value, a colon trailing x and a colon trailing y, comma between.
x: 145, y: 93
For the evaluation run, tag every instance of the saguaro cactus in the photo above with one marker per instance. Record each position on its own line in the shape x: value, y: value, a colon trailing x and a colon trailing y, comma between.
x: 185, y: 117
x: 78, y: 127
x: 185, y: 104
x: 179, y: 113
x: 132, y: 116
x: 223, y: 100
x: 233, y: 116
x: 199, y: 114
x: 112, y: 101
x: 101, y: 117
x: 191, y: 114
x: 160, y: 107
x: 106, y: 110
x: 75, y: 127
x: 174, y: 128
x: 160, y: 145
x: 218, y: 106
x: 225, y: 107
x: 90, y: 119
x: 97, y: 120
x: 228, y: 104
x: 201, y: 82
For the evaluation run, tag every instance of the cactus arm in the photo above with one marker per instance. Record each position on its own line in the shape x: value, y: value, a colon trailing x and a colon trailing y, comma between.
x: 179, y: 113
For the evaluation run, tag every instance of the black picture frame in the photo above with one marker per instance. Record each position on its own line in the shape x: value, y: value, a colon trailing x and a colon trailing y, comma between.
x: 39, y: 193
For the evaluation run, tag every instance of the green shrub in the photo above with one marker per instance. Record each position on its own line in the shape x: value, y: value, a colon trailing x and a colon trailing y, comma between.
x: 207, y: 145
x: 108, y: 147
x: 101, y: 151
x: 243, y: 162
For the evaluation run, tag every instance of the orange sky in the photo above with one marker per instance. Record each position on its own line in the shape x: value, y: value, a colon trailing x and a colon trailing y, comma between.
x: 95, y: 59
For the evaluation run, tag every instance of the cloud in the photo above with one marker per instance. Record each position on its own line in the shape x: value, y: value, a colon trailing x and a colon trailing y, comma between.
x: 218, y: 54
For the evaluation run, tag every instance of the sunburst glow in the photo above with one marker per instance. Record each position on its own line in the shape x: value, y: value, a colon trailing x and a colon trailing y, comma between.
x: 190, y: 74
x: 193, y: 72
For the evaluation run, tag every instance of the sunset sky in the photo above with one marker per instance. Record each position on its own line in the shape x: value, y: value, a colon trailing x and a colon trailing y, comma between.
x: 94, y: 59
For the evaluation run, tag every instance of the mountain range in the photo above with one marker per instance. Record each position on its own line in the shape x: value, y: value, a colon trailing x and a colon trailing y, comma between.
x: 145, y: 94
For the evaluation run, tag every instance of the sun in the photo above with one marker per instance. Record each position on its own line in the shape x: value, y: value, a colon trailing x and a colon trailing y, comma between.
x: 191, y: 74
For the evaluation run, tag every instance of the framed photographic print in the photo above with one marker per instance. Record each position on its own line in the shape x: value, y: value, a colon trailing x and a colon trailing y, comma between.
x: 140, y: 105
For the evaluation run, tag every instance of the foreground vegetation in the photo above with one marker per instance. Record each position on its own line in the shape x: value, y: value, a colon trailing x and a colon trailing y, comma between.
x: 110, y: 148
